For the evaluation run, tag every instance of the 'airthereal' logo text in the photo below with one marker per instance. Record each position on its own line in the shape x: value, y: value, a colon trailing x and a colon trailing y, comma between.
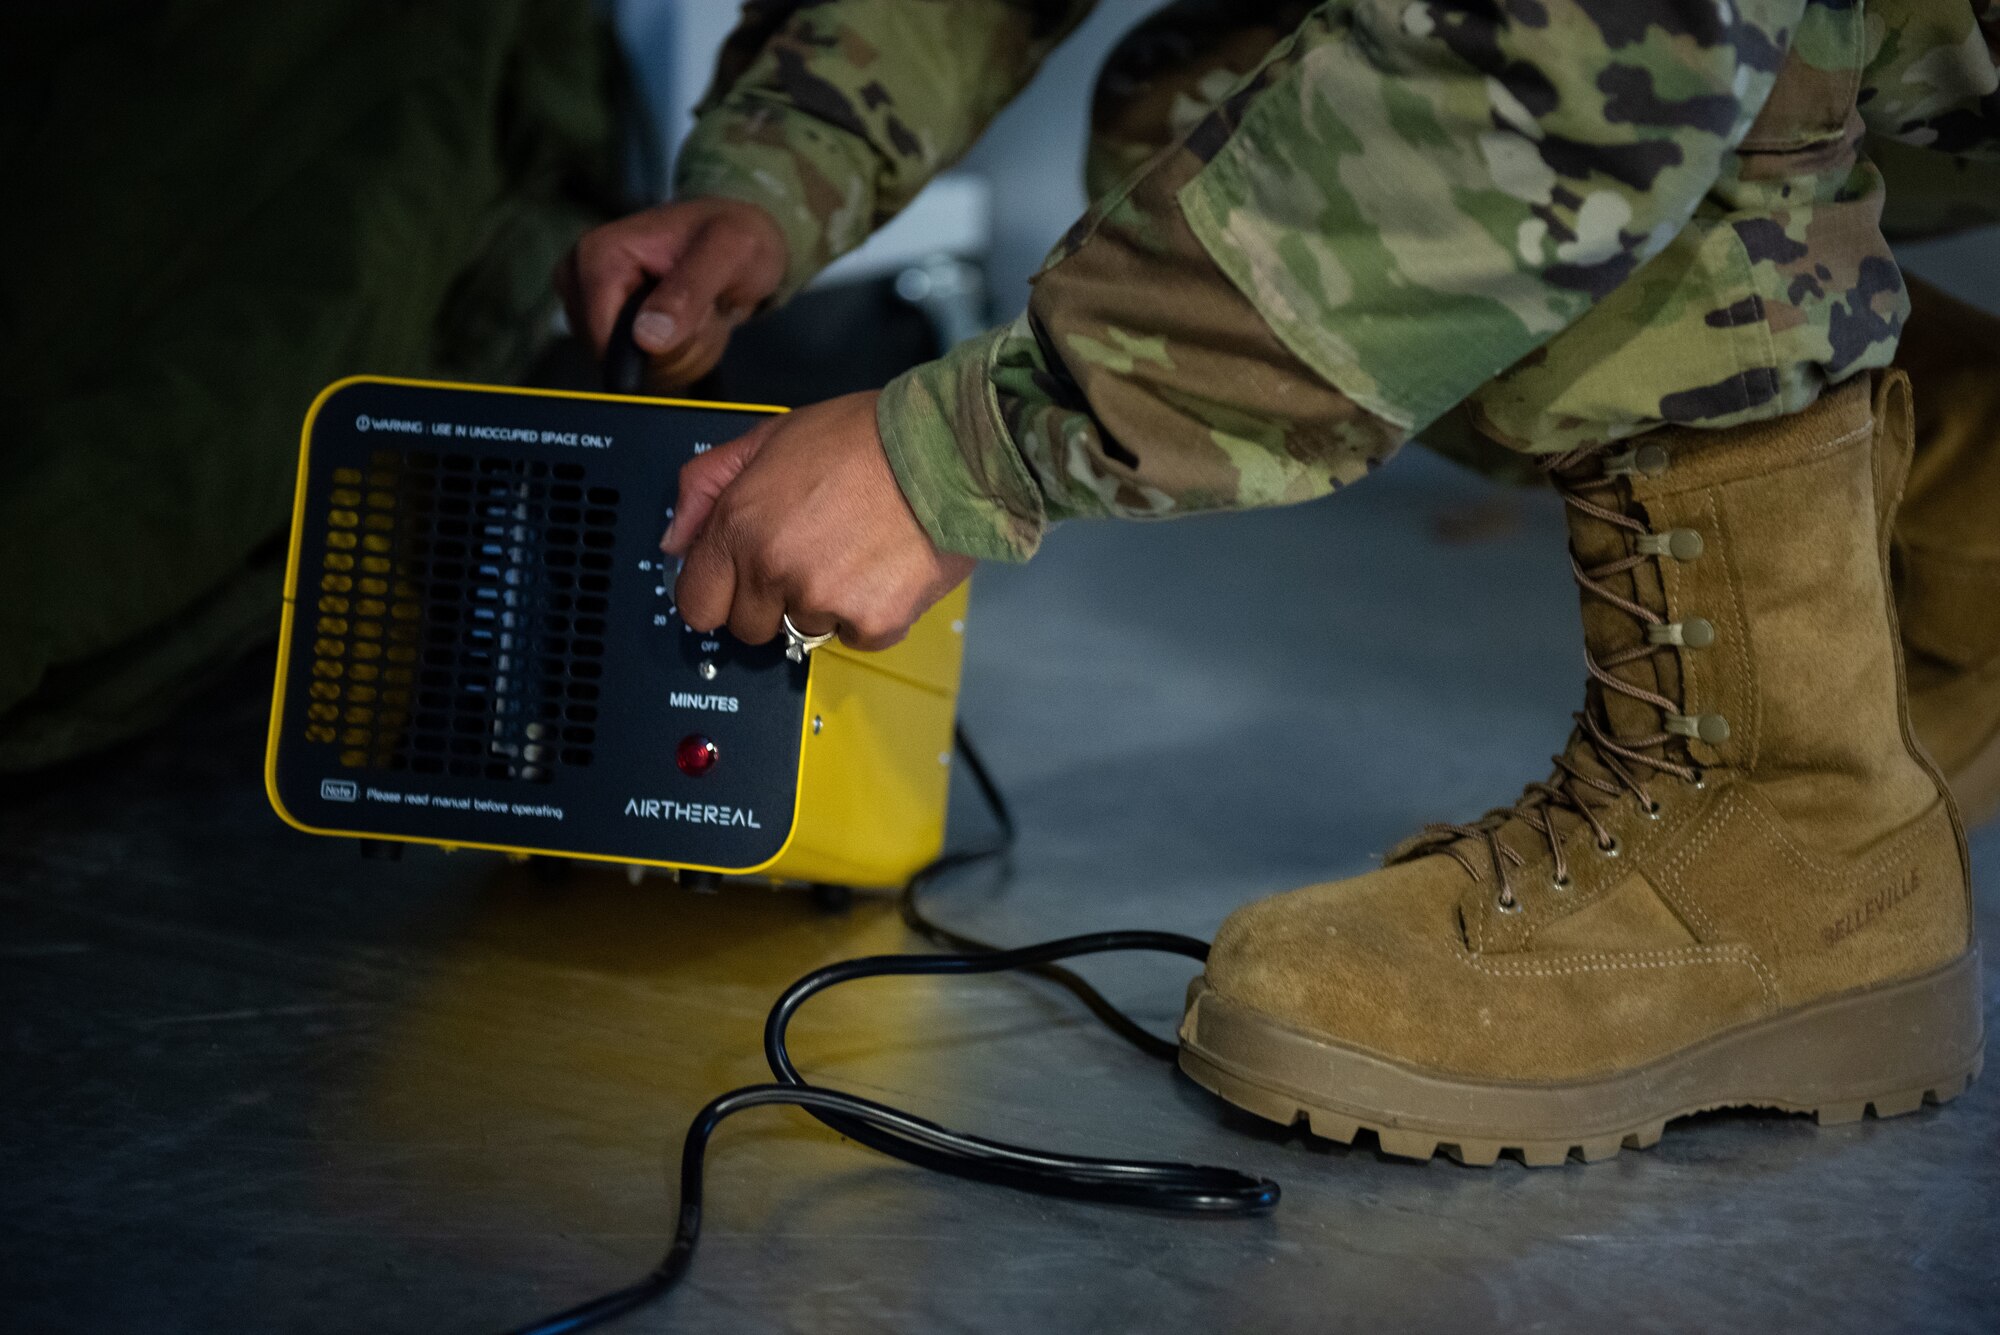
x: 691, y: 813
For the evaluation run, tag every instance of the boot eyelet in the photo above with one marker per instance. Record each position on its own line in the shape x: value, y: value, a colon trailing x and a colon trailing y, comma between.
x: 1682, y: 544
x: 1562, y: 884
x: 1648, y: 460
x: 1612, y: 849
x: 1508, y: 904
x: 1699, y: 781
x: 1652, y: 810
x: 1689, y: 633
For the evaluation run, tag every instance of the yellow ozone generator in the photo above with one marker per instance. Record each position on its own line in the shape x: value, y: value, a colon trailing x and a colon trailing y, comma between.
x: 480, y: 650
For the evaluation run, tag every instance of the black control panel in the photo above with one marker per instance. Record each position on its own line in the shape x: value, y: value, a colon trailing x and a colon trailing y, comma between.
x: 484, y: 646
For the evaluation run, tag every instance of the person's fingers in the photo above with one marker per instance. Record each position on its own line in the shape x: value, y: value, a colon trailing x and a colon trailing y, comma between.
x: 815, y: 529
x: 596, y: 281
x: 874, y: 607
x: 693, y: 359
x: 609, y: 263
x: 707, y: 584
x: 703, y: 479
x: 872, y: 634
x: 685, y: 303
x: 716, y: 262
x: 756, y: 609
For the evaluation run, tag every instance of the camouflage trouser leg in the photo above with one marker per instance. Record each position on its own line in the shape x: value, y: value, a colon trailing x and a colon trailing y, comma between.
x: 1929, y: 195
x: 1177, y: 65
x: 1169, y: 72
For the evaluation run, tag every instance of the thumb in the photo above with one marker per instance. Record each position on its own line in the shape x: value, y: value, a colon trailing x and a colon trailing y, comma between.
x: 703, y: 479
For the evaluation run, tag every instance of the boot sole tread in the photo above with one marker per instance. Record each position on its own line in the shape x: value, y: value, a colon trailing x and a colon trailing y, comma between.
x: 1474, y: 1153
x: 1418, y: 1132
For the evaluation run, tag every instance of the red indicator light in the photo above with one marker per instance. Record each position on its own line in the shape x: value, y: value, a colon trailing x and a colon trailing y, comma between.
x: 695, y: 755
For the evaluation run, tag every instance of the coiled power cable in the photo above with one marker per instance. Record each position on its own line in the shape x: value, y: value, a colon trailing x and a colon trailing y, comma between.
x: 1149, y: 1184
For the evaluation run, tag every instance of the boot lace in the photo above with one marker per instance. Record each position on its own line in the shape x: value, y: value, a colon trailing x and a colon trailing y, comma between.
x: 1626, y: 762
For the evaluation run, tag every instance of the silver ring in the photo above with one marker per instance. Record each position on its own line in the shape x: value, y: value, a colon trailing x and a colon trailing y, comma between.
x: 798, y: 644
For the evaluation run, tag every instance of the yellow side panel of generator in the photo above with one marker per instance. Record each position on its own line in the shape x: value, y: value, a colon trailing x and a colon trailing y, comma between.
x: 876, y: 760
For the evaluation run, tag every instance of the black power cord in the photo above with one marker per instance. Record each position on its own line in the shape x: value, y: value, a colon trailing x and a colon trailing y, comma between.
x: 1187, y: 1188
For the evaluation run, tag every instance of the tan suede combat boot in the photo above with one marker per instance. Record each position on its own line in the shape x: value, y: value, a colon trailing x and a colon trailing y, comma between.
x: 1743, y: 884
x: 1948, y: 545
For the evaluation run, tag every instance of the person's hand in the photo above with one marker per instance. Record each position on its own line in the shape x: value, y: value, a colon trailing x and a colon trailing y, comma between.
x: 717, y: 260
x: 803, y: 516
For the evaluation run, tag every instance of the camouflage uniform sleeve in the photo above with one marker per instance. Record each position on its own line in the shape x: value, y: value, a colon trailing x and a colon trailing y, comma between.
x: 832, y: 115
x: 1405, y: 199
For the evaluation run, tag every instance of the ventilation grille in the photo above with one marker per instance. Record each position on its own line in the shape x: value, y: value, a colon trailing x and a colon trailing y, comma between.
x: 459, y: 616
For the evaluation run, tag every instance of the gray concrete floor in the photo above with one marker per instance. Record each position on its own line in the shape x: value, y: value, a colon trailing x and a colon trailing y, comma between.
x: 252, y: 1082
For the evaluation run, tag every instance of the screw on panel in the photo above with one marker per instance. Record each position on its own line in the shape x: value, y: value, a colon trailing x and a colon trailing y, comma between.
x: 818, y: 723
x: 706, y: 671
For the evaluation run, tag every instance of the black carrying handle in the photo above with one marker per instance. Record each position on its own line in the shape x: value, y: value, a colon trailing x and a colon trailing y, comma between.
x: 624, y: 363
